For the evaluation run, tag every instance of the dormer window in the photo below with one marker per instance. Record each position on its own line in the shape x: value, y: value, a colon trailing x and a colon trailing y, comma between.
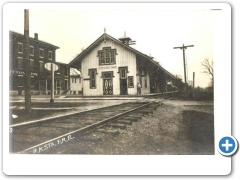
x: 107, y: 56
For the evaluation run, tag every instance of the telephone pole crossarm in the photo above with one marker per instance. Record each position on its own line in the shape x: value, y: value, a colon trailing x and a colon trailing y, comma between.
x: 184, y: 65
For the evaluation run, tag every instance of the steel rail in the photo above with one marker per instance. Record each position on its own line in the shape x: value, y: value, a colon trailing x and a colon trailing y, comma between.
x: 88, y: 128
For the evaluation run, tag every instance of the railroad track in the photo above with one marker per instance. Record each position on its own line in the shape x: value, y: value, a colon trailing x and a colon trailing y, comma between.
x: 39, y: 136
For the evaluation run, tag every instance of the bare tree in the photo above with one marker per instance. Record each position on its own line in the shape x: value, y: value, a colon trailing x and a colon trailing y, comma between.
x: 208, y: 68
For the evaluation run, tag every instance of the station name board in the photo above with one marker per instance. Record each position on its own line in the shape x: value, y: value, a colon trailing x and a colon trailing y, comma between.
x: 108, y: 67
x: 21, y: 72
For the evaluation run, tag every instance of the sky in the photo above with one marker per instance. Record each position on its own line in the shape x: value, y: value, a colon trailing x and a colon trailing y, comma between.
x: 156, y: 28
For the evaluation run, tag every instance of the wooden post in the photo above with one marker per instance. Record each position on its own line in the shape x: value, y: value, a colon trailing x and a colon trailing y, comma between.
x: 39, y: 86
x: 27, y: 63
x: 184, y: 65
x: 52, y: 89
x: 193, y: 82
x: 46, y: 86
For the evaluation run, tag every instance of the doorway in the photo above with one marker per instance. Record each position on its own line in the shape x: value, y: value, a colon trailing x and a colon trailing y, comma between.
x: 123, y: 87
x: 107, y: 83
x: 123, y: 81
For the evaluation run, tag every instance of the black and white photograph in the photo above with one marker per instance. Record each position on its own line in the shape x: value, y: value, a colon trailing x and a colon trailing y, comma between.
x: 115, y: 79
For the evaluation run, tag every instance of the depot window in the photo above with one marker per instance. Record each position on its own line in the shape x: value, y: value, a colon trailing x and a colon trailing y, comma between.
x: 130, y: 82
x: 145, y: 82
x: 123, y: 72
x: 92, y: 74
x: 107, y: 56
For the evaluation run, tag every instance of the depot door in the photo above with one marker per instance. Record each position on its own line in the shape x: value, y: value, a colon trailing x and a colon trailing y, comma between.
x: 107, y: 83
x: 123, y: 81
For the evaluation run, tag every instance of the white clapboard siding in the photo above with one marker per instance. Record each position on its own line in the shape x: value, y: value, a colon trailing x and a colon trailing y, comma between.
x: 123, y: 58
x: 75, y: 86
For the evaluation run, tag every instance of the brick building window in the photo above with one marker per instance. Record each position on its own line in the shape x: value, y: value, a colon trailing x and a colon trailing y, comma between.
x: 20, y: 63
x: 20, y: 81
x: 31, y: 63
x: 32, y: 81
x: 92, y: 74
x: 40, y: 65
x: 65, y: 72
x: 41, y: 53
x: 107, y: 56
x: 20, y: 47
x: 130, y: 82
x: 50, y: 55
x: 31, y: 50
x: 145, y: 82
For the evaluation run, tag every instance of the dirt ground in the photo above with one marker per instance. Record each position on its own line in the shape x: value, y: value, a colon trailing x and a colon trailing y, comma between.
x: 175, y: 128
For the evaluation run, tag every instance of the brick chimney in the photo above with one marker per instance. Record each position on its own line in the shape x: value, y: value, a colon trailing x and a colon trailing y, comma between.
x: 36, y: 36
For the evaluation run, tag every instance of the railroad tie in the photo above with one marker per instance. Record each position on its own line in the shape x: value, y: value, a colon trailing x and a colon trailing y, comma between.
x: 124, y: 122
x: 134, y: 119
x: 116, y: 125
x: 110, y: 131
x: 91, y: 139
x: 145, y: 111
x: 134, y: 116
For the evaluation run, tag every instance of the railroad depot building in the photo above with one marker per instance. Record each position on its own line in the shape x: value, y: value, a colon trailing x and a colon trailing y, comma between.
x: 110, y: 66
x: 40, y: 53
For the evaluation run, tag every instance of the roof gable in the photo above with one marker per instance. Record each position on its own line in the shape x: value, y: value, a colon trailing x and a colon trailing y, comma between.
x: 105, y: 37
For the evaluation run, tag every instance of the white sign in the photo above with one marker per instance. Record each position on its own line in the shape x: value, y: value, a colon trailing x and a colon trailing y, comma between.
x: 108, y: 67
x: 48, y: 66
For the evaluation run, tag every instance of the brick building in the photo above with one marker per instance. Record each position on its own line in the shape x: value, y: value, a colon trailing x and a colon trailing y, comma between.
x: 41, y: 52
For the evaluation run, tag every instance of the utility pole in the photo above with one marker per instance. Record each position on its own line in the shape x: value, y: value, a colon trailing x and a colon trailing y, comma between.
x: 27, y: 63
x: 184, y: 65
x: 193, y: 82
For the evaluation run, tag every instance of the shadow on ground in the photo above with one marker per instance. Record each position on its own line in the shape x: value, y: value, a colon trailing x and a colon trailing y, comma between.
x: 198, y: 127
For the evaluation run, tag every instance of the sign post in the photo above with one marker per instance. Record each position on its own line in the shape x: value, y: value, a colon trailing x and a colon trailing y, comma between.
x: 51, y: 67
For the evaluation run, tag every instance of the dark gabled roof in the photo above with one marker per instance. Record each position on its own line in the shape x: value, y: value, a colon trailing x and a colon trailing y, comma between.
x: 36, y: 40
x: 64, y: 64
x: 105, y: 37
